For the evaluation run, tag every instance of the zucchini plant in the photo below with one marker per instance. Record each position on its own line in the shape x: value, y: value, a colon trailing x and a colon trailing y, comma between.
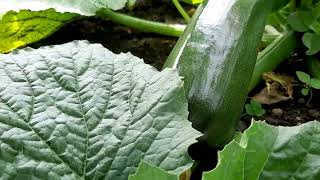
x: 79, y: 111
x: 218, y: 78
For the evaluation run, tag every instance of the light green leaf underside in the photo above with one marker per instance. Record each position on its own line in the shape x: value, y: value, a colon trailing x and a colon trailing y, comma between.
x: 269, y: 152
x: 83, y: 7
x: 25, y: 27
x: 79, y: 111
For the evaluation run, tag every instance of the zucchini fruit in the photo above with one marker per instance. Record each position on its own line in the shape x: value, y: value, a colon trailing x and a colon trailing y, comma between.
x: 216, y: 56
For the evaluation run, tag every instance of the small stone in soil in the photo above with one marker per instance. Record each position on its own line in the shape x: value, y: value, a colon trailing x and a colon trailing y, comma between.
x: 298, y: 118
x: 272, y: 121
x: 313, y: 113
x: 301, y: 101
x: 277, y: 112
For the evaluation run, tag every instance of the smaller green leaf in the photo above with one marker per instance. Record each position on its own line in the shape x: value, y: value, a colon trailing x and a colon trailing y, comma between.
x: 304, y: 77
x: 315, y: 26
x: 147, y: 171
x: 306, y: 39
x: 300, y: 20
x: 316, y: 10
x: 305, y: 91
x: 315, y: 83
x: 311, y: 41
x: 255, y: 109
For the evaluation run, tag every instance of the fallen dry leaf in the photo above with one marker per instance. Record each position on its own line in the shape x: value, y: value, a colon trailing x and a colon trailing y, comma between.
x: 278, y: 88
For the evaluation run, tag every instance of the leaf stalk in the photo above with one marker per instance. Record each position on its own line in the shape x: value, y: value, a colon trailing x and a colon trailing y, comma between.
x: 183, y: 13
x: 174, y: 30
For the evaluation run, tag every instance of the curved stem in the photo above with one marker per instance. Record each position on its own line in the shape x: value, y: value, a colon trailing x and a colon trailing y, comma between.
x: 183, y: 13
x: 311, y: 94
x: 143, y: 25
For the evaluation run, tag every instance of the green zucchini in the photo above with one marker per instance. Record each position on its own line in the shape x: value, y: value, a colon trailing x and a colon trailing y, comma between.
x: 216, y: 56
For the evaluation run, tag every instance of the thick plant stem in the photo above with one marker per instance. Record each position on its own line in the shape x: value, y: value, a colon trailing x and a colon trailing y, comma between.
x: 183, y: 13
x: 174, y: 30
x: 278, y: 51
x: 141, y: 24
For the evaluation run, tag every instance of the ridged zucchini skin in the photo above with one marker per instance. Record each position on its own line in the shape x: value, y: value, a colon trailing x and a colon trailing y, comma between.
x: 216, y: 56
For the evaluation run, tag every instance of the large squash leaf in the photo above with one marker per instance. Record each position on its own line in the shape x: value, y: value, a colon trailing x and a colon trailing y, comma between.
x: 269, y: 152
x: 28, y: 21
x: 78, y: 111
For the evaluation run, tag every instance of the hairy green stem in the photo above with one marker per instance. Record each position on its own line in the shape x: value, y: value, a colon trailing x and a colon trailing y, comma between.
x: 278, y: 51
x: 174, y: 30
x: 183, y: 13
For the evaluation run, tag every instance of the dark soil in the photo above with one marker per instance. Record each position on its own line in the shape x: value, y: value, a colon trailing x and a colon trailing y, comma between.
x: 291, y: 113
